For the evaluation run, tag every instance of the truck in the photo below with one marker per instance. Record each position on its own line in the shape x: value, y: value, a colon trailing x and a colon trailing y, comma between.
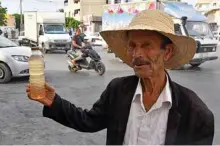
x: 46, y: 30
x: 187, y: 22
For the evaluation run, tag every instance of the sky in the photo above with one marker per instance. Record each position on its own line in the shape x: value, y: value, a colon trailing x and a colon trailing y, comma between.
x: 42, y: 5
x: 13, y: 6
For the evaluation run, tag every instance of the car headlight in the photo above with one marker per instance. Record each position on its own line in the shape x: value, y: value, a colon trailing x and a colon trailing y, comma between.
x: 21, y: 58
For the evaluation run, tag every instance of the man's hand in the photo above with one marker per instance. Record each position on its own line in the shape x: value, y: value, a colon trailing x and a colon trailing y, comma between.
x: 50, y: 94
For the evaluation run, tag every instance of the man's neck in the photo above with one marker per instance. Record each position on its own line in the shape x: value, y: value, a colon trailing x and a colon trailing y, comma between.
x: 152, y: 88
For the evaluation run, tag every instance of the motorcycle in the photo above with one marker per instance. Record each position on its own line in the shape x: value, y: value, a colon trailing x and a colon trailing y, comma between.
x: 82, y: 63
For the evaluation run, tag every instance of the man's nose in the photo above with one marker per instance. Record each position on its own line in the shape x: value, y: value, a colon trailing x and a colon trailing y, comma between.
x: 137, y: 52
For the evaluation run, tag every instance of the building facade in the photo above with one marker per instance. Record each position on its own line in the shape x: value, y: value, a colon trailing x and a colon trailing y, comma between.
x: 126, y: 1
x: 213, y: 15
x: 89, y: 12
x: 10, y: 20
x: 203, y: 5
x: 211, y: 9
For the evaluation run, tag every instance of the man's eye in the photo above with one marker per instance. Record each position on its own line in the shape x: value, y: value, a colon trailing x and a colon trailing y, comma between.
x: 146, y: 45
x: 131, y: 46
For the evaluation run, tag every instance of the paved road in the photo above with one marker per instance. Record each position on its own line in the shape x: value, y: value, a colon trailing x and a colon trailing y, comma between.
x: 21, y: 120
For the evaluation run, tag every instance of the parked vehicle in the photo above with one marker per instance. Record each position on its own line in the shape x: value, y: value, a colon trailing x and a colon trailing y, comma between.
x: 46, y: 30
x: 13, y: 60
x: 94, y: 63
x: 21, y: 37
x: 187, y: 22
x: 96, y: 39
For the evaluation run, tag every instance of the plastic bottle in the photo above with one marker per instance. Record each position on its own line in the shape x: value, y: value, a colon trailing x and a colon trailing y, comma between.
x: 37, y: 78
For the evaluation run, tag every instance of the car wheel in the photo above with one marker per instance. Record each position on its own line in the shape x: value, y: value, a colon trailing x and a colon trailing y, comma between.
x: 5, y: 73
x: 44, y: 51
x: 195, y: 65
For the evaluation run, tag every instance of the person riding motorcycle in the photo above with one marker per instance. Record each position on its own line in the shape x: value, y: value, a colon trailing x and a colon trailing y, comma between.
x: 77, y: 46
x: 77, y: 41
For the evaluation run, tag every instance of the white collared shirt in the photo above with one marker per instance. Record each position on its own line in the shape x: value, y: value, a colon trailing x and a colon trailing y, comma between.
x: 148, y: 128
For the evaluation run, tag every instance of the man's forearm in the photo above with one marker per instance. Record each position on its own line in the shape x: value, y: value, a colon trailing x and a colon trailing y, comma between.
x: 75, y: 45
x: 67, y: 114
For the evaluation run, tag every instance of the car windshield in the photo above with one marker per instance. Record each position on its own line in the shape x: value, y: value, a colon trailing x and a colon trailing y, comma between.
x: 54, y: 29
x: 198, y: 29
x: 4, y: 42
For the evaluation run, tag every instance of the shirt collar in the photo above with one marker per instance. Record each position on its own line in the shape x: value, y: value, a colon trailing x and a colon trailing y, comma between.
x: 164, y: 97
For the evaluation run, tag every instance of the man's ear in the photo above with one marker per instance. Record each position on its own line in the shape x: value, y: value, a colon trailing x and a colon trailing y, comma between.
x: 169, y: 50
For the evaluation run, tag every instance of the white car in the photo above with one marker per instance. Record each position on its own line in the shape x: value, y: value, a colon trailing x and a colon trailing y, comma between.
x: 13, y: 60
x: 96, y: 40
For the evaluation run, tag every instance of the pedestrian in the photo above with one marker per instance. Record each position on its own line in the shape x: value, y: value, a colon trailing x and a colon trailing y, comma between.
x: 147, y: 108
x: 70, y: 32
x: 6, y: 33
x: 1, y: 32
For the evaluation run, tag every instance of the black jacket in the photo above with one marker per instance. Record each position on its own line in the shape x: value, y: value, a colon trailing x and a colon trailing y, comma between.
x: 190, y: 122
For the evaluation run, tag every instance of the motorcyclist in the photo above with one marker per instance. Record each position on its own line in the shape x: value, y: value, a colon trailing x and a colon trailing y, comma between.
x: 77, y: 46
x: 77, y: 41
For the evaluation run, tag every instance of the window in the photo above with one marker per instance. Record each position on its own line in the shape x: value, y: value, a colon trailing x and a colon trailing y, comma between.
x: 76, y: 12
x: 65, y: 2
x: 117, y: 1
x: 76, y: 1
x: 198, y: 29
x: 108, y: 1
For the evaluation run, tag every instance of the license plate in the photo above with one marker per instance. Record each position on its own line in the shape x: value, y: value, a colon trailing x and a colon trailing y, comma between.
x: 60, y: 48
x: 204, y: 55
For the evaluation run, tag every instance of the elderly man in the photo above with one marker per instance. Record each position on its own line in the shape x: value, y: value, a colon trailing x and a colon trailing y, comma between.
x: 147, y: 108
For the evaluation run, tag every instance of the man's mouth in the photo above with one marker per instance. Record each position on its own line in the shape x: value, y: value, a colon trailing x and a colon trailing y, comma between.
x: 140, y: 65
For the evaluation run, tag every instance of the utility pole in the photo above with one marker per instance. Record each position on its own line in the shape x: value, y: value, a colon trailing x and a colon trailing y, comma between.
x: 21, y: 18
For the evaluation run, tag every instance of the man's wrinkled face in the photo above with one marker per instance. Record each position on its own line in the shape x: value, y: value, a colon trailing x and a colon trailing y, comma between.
x: 148, y: 58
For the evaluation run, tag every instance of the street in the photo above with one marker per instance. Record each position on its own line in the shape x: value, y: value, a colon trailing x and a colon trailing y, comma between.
x: 21, y: 120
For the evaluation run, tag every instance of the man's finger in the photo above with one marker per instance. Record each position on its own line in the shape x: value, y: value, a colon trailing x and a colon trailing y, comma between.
x: 27, y: 89
x: 49, y: 88
x: 29, y: 95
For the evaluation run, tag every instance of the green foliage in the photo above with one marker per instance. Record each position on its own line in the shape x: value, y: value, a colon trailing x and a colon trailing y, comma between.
x: 3, y: 19
x: 71, y: 22
x: 18, y: 20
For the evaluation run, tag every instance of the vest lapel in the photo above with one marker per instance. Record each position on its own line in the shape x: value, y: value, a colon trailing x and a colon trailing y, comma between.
x: 124, y: 106
x: 173, y: 117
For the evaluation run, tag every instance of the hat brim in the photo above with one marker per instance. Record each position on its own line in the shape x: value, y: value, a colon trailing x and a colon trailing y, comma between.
x: 185, y: 47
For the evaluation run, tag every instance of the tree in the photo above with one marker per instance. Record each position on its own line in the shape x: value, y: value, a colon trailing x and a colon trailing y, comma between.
x: 18, y: 20
x: 3, y: 18
x: 71, y: 22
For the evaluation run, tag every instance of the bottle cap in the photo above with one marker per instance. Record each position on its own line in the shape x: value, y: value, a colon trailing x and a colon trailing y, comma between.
x: 35, y: 48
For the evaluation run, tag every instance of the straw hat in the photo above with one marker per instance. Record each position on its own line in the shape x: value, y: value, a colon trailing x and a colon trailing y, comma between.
x: 154, y: 20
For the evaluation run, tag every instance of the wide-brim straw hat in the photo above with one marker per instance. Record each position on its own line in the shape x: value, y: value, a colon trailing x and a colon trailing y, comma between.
x: 153, y: 20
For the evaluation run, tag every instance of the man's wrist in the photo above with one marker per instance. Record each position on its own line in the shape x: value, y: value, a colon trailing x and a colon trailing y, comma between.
x: 49, y: 101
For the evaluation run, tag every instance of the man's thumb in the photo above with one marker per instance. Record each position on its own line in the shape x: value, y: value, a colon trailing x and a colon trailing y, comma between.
x: 49, y: 88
